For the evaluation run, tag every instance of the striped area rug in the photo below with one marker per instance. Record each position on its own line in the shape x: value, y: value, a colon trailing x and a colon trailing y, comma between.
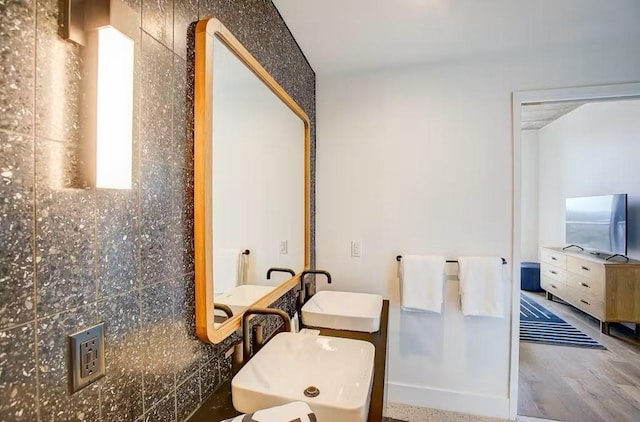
x: 540, y: 325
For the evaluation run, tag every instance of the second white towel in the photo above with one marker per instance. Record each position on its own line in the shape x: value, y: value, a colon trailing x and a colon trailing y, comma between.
x: 481, y: 286
x: 422, y: 281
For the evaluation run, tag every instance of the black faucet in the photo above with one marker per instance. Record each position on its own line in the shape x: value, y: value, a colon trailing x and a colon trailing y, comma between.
x: 258, y: 339
x: 306, y: 289
x: 224, y: 308
x: 279, y: 270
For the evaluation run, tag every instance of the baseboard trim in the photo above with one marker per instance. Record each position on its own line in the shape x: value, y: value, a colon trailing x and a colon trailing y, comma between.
x: 448, y: 400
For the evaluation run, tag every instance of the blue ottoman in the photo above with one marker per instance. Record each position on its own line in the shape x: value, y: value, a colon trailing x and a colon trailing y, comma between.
x: 530, y: 276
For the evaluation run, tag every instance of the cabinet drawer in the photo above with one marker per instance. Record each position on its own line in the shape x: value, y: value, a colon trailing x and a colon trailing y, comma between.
x: 552, y: 286
x: 553, y: 257
x: 587, y: 304
x: 591, y: 287
x: 588, y: 269
x: 553, y: 272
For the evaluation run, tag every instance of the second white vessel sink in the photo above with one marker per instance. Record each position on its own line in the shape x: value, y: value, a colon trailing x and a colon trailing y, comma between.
x: 332, y: 375
x: 343, y: 311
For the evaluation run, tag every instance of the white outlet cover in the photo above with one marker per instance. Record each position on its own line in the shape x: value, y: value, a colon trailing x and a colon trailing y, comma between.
x: 283, y: 247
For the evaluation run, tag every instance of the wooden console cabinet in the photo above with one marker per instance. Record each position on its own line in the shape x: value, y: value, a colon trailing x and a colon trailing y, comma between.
x: 606, y: 290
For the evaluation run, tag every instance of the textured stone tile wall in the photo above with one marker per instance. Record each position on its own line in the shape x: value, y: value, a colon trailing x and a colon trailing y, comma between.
x: 71, y: 256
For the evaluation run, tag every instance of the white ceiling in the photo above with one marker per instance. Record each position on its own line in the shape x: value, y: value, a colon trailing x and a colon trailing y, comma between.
x: 346, y: 35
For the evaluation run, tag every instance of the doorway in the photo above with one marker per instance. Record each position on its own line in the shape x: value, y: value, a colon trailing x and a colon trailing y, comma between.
x: 543, y: 384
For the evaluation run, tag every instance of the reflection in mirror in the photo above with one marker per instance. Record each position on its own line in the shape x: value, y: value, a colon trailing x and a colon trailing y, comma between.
x: 250, y: 187
x: 258, y: 183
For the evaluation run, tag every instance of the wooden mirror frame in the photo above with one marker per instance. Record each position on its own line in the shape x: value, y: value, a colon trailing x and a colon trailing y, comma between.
x: 206, y: 31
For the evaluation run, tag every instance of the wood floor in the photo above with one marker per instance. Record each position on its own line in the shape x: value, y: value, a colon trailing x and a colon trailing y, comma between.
x: 572, y: 384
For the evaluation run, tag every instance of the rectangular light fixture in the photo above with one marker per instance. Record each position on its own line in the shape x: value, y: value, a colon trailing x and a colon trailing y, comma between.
x: 114, y: 109
x: 108, y: 30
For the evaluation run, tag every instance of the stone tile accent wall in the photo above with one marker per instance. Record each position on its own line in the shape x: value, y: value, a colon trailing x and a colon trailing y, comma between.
x: 71, y: 256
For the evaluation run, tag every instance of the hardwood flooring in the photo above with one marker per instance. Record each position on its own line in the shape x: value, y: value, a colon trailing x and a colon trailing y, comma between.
x: 572, y: 384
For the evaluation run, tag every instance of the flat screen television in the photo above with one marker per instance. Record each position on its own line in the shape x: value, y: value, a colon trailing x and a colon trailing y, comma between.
x: 597, y: 223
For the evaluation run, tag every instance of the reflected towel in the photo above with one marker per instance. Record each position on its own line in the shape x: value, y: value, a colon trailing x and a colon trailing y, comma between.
x: 226, y: 269
x: 422, y: 281
x: 296, y: 411
x: 481, y: 286
x: 243, y: 269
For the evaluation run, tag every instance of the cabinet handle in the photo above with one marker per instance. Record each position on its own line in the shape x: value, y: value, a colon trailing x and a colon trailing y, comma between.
x: 553, y: 258
x: 553, y: 272
x: 585, y: 268
x: 554, y: 286
x: 585, y: 302
x: 585, y: 285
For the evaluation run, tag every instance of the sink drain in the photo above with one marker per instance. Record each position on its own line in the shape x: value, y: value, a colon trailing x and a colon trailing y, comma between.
x: 311, y: 391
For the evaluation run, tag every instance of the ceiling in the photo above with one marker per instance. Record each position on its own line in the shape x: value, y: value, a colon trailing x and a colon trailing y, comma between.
x: 537, y: 116
x: 348, y: 35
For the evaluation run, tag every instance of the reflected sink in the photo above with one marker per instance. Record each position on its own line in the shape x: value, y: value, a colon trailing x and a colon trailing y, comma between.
x: 242, y: 296
x: 343, y: 311
x: 340, y: 369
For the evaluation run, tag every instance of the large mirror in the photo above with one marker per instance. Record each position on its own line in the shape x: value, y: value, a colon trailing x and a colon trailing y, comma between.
x: 251, y: 184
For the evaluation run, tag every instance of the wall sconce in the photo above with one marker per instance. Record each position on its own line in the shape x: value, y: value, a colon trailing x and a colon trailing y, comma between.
x: 108, y: 30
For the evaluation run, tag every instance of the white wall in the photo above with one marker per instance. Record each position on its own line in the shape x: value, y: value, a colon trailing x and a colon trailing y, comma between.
x: 594, y: 150
x: 418, y: 160
x: 529, y: 215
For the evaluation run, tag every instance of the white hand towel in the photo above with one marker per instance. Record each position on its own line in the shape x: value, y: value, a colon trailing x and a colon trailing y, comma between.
x: 226, y: 269
x: 481, y: 286
x: 242, y: 270
x: 296, y: 411
x: 422, y: 280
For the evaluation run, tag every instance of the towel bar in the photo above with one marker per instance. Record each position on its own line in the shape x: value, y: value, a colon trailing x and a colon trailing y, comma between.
x: 451, y: 261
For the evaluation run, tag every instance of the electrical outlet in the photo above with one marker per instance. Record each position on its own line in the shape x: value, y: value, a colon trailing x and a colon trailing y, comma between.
x: 283, y: 247
x: 356, y: 248
x: 87, y: 357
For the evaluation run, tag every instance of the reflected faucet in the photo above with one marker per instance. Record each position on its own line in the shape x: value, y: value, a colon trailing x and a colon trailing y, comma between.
x: 279, y: 270
x: 306, y: 289
x: 258, y: 339
x: 224, y: 308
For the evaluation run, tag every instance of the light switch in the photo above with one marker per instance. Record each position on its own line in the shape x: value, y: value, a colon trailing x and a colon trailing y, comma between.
x: 356, y: 248
x: 282, y: 247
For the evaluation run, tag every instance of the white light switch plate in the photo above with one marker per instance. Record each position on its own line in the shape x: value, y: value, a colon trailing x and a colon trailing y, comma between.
x: 356, y: 248
x: 283, y: 247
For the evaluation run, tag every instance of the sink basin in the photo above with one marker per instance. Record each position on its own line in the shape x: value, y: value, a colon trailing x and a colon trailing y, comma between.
x: 343, y: 311
x: 242, y: 296
x: 340, y: 369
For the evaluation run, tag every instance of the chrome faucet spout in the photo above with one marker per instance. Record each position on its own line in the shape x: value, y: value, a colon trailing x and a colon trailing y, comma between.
x: 246, y: 332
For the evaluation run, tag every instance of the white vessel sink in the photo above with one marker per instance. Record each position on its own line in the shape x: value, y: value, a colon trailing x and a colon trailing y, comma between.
x: 242, y: 296
x: 343, y: 311
x: 341, y: 369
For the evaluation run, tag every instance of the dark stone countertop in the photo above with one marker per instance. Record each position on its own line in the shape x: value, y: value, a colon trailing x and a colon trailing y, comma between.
x: 219, y: 406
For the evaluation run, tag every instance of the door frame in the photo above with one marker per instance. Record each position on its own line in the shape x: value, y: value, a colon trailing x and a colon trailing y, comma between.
x: 518, y: 99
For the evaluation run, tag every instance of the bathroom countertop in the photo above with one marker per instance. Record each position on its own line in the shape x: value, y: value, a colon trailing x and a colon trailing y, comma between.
x: 219, y: 406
